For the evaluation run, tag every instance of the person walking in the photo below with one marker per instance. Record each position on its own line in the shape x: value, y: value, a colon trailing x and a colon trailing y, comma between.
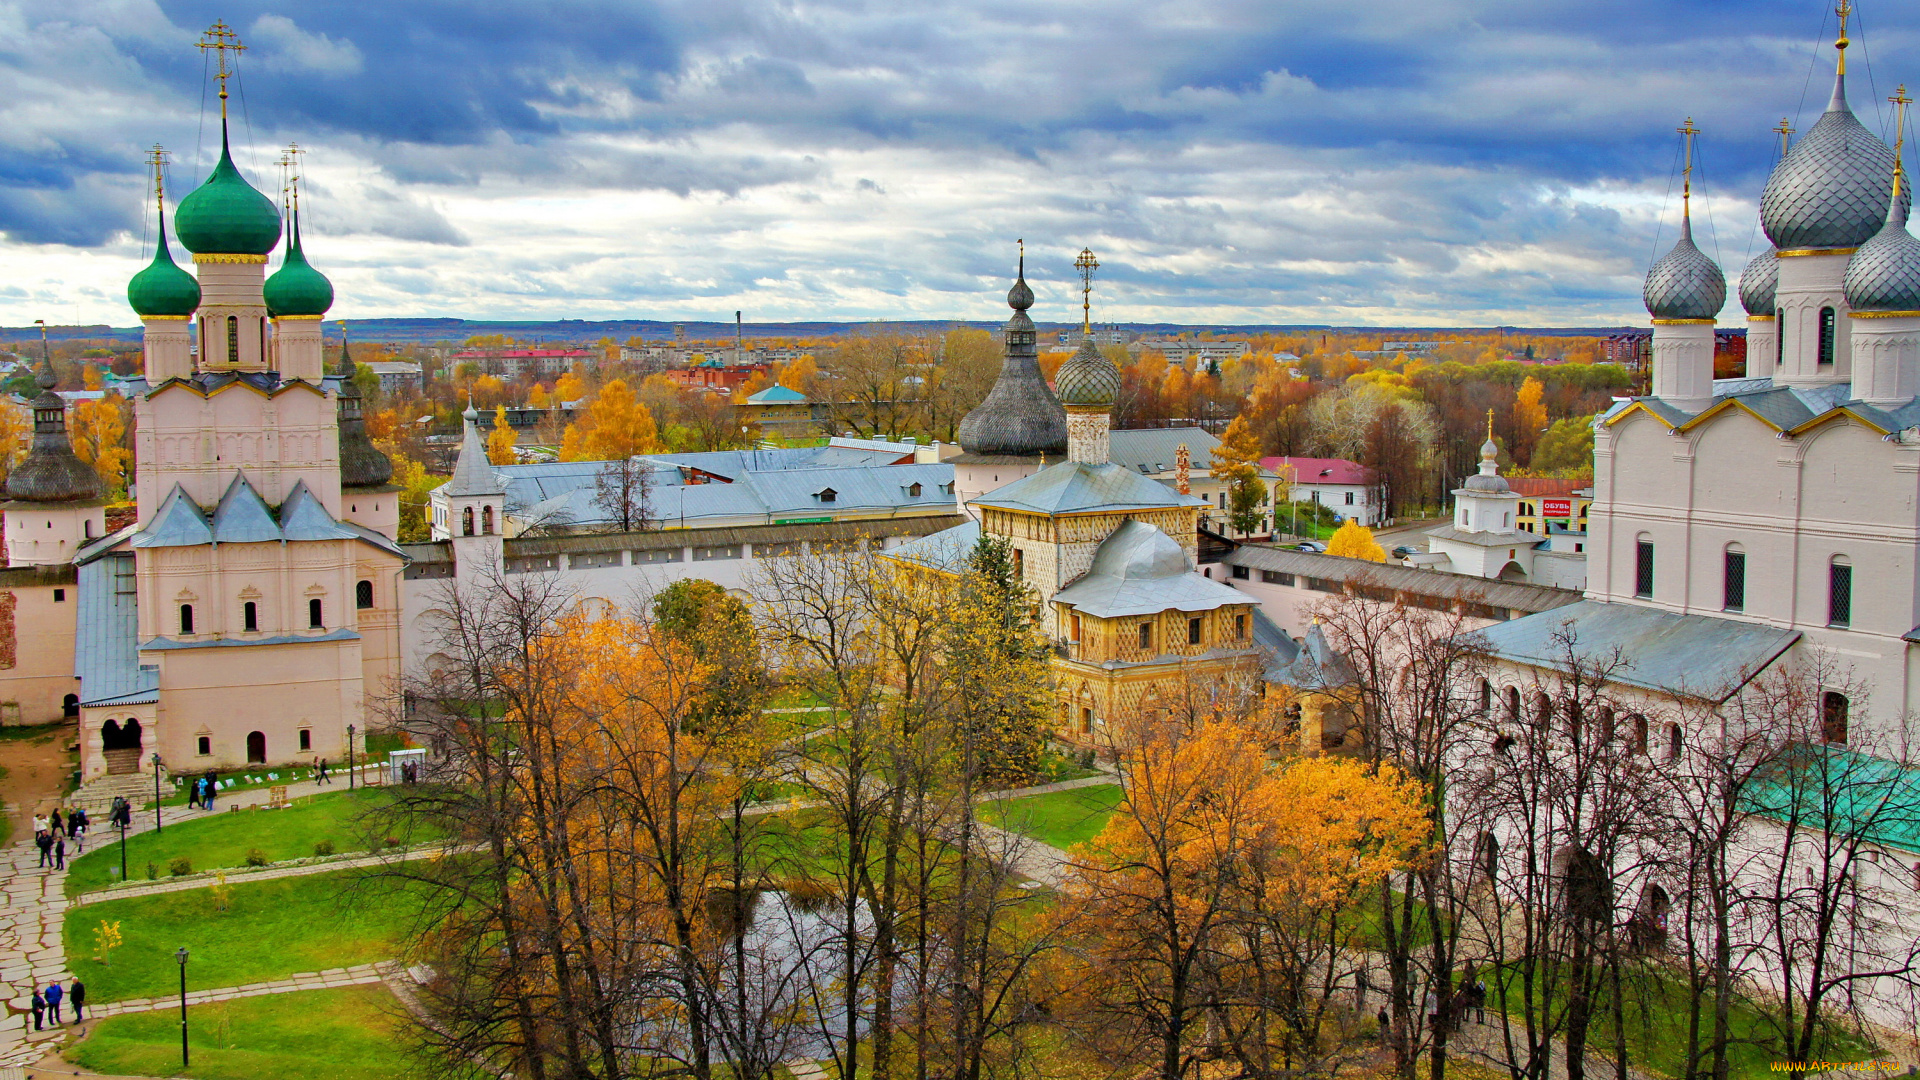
x: 193, y: 795
x: 77, y: 829
x: 54, y: 823
x: 45, y: 840
x: 59, y: 851
x: 1479, y: 1001
x: 77, y: 994
x: 321, y: 776
x: 53, y: 1002
x: 39, y: 1008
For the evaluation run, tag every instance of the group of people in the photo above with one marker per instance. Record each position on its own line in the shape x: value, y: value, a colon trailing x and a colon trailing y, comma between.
x: 46, y: 1003
x: 52, y: 833
x: 201, y: 791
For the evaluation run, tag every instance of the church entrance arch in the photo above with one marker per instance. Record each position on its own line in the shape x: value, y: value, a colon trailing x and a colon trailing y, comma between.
x: 70, y: 706
x: 120, y: 746
x: 256, y: 748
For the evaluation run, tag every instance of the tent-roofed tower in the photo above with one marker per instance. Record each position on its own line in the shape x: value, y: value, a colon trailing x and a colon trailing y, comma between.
x: 1020, y: 426
x: 53, y: 499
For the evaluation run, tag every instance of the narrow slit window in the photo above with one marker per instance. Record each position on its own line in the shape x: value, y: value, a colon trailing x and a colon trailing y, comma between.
x: 315, y: 614
x: 1734, y: 589
x: 1839, y: 595
x: 186, y: 618
x: 1643, y: 568
x: 250, y: 615
x: 1826, y: 335
x: 233, y: 339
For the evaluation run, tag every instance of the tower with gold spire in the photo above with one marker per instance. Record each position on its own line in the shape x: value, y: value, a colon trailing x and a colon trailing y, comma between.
x: 263, y: 615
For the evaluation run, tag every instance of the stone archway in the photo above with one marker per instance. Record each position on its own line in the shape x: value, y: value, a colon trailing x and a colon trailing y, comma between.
x: 120, y: 744
x: 256, y: 748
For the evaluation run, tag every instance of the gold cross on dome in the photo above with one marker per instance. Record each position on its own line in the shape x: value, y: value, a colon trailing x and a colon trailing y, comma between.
x: 1842, y: 9
x: 1687, y: 131
x: 1785, y: 130
x: 1900, y: 102
x: 1086, y: 264
x: 222, y: 40
x: 157, y: 160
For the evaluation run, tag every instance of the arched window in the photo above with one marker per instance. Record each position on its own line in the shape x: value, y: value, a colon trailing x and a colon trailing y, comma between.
x: 363, y: 595
x: 1675, y: 742
x: 1839, y: 592
x: 1639, y: 734
x: 1486, y: 697
x: 466, y: 521
x: 1826, y: 335
x: 315, y: 614
x: 186, y: 619
x: 250, y: 616
x: 1834, y: 707
x: 70, y: 706
x: 1513, y: 704
x: 1643, y: 566
x: 1542, y: 709
x: 1606, y: 725
x: 486, y: 520
x: 233, y: 339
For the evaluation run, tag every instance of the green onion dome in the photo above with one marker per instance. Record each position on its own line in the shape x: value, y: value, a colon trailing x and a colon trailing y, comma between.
x: 162, y: 288
x: 225, y: 215
x: 297, y: 288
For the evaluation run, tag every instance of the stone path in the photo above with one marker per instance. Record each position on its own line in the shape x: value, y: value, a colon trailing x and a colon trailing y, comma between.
x: 358, y: 975
x: 807, y: 1070
x: 33, y: 907
x: 245, y: 875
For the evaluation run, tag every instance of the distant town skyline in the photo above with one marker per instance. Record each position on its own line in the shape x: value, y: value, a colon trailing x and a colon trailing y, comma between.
x: 1411, y: 164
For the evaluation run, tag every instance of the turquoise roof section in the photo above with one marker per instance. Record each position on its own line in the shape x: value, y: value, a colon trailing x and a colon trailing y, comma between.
x: 242, y: 516
x: 778, y: 395
x: 106, y: 654
x: 179, y: 523
x: 1847, y: 793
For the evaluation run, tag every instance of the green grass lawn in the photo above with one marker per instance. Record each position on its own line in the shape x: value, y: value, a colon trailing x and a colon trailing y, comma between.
x: 223, y: 839
x: 345, y: 1034
x: 1060, y: 818
x: 270, y: 930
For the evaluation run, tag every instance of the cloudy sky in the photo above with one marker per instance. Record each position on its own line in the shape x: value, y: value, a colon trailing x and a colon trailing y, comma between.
x: 1444, y: 162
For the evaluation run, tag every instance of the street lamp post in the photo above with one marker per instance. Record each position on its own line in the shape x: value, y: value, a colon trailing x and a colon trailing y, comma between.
x: 182, y: 957
x: 121, y: 823
x: 156, y: 793
x: 349, y: 757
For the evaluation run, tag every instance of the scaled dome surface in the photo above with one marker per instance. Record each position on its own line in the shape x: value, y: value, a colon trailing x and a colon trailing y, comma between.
x: 162, y: 287
x: 1884, y: 275
x: 1758, y: 282
x: 1830, y: 190
x: 1089, y: 378
x: 297, y: 288
x: 1685, y: 284
x: 225, y: 215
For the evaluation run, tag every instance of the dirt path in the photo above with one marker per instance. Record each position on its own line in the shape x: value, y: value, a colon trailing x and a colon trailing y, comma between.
x: 37, y: 764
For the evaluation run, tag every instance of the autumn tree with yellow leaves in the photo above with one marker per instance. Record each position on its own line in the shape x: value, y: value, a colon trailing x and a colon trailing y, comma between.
x: 500, y: 439
x: 98, y: 431
x: 1236, y: 461
x: 1214, y: 907
x: 1353, y: 540
x: 613, y: 425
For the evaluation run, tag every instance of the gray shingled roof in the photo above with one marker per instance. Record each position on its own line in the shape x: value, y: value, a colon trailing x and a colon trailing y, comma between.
x: 106, y: 654
x: 1079, y: 487
x: 1830, y: 191
x: 178, y: 523
x: 242, y: 516
x: 472, y: 474
x: 1020, y: 414
x: 1697, y: 656
x: 1139, y: 570
x: 946, y: 550
x: 1315, y: 667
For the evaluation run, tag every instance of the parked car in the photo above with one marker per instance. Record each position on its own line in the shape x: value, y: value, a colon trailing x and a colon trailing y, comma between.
x: 1404, y: 550
x: 1314, y: 546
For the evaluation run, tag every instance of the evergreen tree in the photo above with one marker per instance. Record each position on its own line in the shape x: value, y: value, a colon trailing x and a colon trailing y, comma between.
x: 998, y: 662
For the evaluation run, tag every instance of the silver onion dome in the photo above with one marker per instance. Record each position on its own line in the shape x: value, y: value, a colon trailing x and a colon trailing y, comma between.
x: 1020, y: 416
x: 1830, y: 190
x: 1758, y: 281
x: 1884, y: 275
x: 1685, y: 284
x: 1089, y: 378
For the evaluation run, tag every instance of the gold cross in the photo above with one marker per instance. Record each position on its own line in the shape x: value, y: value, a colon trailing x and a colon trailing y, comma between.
x: 1785, y: 131
x: 1843, y: 9
x: 1900, y: 102
x: 1489, y: 425
x: 157, y: 159
x: 1687, y: 131
x: 290, y: 171
x: 222, y: 40
x: 1086, y: 264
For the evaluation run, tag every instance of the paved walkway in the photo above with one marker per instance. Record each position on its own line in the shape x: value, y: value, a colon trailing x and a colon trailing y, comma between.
x: 244, y: 875
x: 358, y: 975
x: 33, y: 908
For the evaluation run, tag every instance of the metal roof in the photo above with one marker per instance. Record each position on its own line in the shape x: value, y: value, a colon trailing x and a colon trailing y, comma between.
x: 1315, y: 666
x: 169, y: 644
x: 1507, y: 538
x: 775, y: 395
x: 1139, y: 570
x: 945, y: 551
x: 179, y: 523
x: 1078, y: 487
x: 1698, y: 656
x: 472, y: 473
x: 1511, y: 595
x: 242, y: 516
x: 440, y: 551
x: 1154, y: 450
x: 106, y: 654
x: 565, y: 495
x: 302, y: 517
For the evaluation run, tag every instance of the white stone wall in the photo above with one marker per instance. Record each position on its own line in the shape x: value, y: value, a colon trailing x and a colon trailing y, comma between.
x: 1809, y: 282
x: 1886, y: 358
x: 1762, y: 346
x: 200, y: 441
x: 1683, y: 364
